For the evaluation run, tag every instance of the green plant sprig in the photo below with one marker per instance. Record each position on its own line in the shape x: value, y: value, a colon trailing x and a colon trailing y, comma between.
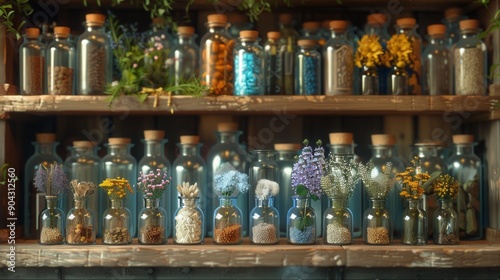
x: 8, y: 10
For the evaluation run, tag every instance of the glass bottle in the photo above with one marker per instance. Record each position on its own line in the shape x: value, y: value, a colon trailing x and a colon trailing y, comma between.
x: 414, y: 221
x: 152, y: 223
x: 189, y: 222
x: 437, y: 61
x: 185, y: 56
x: 452, y: 17
x: 465, y: 166
x: 264, y: 222
x: 398, y: 81
x: 120, y: 163
x: 445, y: 220
x: 377, y: 25
x: 273, y: 64
x: 311, y: 30
x: 338, y: 57
x: 262, y: 167
x: 377, y: 224
x: 61, y: 60
x: 46, y: 37
x: 31, y: 64
x: 227, y: 221
x: 159, y: 35
x: 80, y: 224
x: 94, y: 58
x: 248, y: 65
x: 217, y: 57
x: 301, y: 222
x: 470, y: 60
x: 238, y: 22
x: 51, y: 223
x: 337, y: 223
x: 409, y: 27
x: 285, y: 159
x: 117, y: 225
x: 289, y: 37
x: 307, y: 68
x: 34, y: 202
x: 190, y: 167
x: 227, y: 149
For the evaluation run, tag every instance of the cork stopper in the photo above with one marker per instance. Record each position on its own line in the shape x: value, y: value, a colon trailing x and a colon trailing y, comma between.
x: 285, y: 18
x: 311, y: 25
x: 463, y: 139
x: 217, y: 18
x: 469, y: 24
x: 185, y: 30
x: 287, y: 147
x: 341, y: 138
x: 97, y: 18
x: 452, y: 12
x: 32, y: 32
x: 190, y: 139
x: 157, y: 20
x: 409, y: 22
x: 154, y: 134
x: 306, y: 43
x: 325, y: 24
x: 376, y: 19
x: 227, y: 126
x: 62, y: 30
x: 83, y: 144
x: 251, y: 34
x: 119, y: 141
x: 383, y: 140
x: 275, y: 35
x: 45, y: 138
x: 338, y: 25
x: 436, y: 29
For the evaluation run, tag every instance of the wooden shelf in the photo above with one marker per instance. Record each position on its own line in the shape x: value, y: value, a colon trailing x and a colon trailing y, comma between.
x: 467, y: 254
x: 304, y: 105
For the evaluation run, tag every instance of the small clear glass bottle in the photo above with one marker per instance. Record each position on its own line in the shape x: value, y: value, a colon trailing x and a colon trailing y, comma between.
x: 470, y: 60
x: 262, y: 167
x: 117, y: 225
x: 466, y: 167
x: 237, y: 22
x: 301, y: 222
x: 409, y: 27
x: 185, y: 56
x: 264, y: 222
x: 273, y: 64
x: 445, y: 220
x: 414, y: 230
x: 377, y: 25
x: 152, y: 223
x: 338, y: 57
x: 437, y: 61
x: 31, y: 64
x: 307, y: 68
x: 94, y: 58
x: 337, y: 223
x: 452, y: 17
x: 47, y: 36
x: 289, y: 37
x: 248, y: 65
x: 311, y: 30
x: 34, y: 202
x: 61, y: 60
x: 377, y: 223
x: 80, y: 224
x: 227, y: 221
x: 216, y: 46
x: 51, y: 223
x: 189, y: 222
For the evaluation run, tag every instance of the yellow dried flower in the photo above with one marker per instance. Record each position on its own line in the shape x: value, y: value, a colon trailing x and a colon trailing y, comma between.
x: 399, y: 51
x: 446, y: 187
x: 116, y: 187
x: 412, y: 181
x: 369, y: 51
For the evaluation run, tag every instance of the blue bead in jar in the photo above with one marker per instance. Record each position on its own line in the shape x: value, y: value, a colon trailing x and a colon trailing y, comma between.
x: 248, y: 65
x: 307, y: 68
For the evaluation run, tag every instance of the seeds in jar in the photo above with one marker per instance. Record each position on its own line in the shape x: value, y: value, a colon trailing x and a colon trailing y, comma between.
x: 377, y: 235
x: 264, y: 233
x: 470, y: 78
x: 152, y: 234
x: 188, y: 227
x: 228, y: 235
x: 94, y: 73
x: 117, y: 235
x: 337, y: 234
x: 33, y: 75
x: 80, y: 234
x: 50, y: 236
x: 217, y: 67
x: 60, y: 80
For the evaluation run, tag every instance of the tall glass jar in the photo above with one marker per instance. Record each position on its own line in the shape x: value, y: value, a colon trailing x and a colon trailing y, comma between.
x: 301, y: 222
x: 248, y: 65
x: 409, y: 27
x: 80, y: 224
x: 289, y: 37
x: 445, y: 220
x: 34, y: 202
x: 217, y: 57
x: 31, y: 64
x: 377, y: 224
x: 152, y: 223
x: 189, y: 222
x: 227, y: 149
x: 264, y: 222
x: 94, y: 58
x: 414, y: 221
x: 190, y: 167
x: 470, y: 60
x: 285, y: 159
x: 274, y: 54
x: 437, y: 61
x: 338, y: 57
x: 117, y: 225
x: 452, y: 17
x: 120, y: 163
x: 337, y: 223
x: 227, y: 221
x: 51, y: 223
x: 185, y: 56
x: 307, y: 68
x: 465, y: 166
x: 262, y: 167
x: 377, y: 25
x: 61, y: 60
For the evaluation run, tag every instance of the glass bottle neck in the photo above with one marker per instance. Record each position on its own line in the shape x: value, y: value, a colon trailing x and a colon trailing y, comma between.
x: 116, y: 203
x: 189, y: 149
x: 300, y: 202
x: 266, y: 202
x: 338, y: 34
x: 227, y: 201
x: 383, y: 151
x: 378, y: 203
x: 427, y: 151
x: 92, y: 27
x: 229, y: 137
x: 338, y: 203
x: 446, y: 203
x: 342, y: 149
x: 413, y: 203
x: 45, y: 148
x: 464, y: 149
x: 51, y: 201
x: 185, y: 40
x: 263, y: 155
x: 436, y: 39
x: 119, y: 149
x: 189, y: 202
x: 152, y: 202
x: 469, y: 33
x: 216, y: 28
x: 287, y: 155
x: 81, y: 151
x: 80, y: 202
x: 154, y: 147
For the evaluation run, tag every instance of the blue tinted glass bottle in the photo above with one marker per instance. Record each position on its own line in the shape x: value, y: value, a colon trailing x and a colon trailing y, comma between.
x: 307, y: 68
x: 248, y: 65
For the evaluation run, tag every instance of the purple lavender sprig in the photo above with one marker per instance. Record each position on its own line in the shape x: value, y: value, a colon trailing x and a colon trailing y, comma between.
x: 153, y: 184
x: 307, y: 171
x: 51, y: 180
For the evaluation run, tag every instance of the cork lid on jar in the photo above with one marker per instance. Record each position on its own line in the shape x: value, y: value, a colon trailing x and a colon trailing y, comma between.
x: 217, y: 18
x: 469, y: 24
x: 190, y: 139
x: 275, y: 35
x: 409, y: 22
x: 376, y: 18
x: 306, y: 43
x: 436, y: 29
x: 341, y: 138
x: 452, y: 12
x: 227, y: 126
x: 185, y: 30
x: 285, y: 18
x: 97, y: 18
x: 45, y: 137
x: 83, y: 144
x: 61, y: 30
x: 383, y: 139
x: 311, y: 25
x: 118, y: 141
x: 32, y: 32
x: 154, y: 134
x: 463, y: 138
x: 287, y: 147
x: 251, y: 34
x: 338, y: 25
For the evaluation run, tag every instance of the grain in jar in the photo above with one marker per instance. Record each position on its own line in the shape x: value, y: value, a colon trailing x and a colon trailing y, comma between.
x: 60, y: 63
x: 31, y: 64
